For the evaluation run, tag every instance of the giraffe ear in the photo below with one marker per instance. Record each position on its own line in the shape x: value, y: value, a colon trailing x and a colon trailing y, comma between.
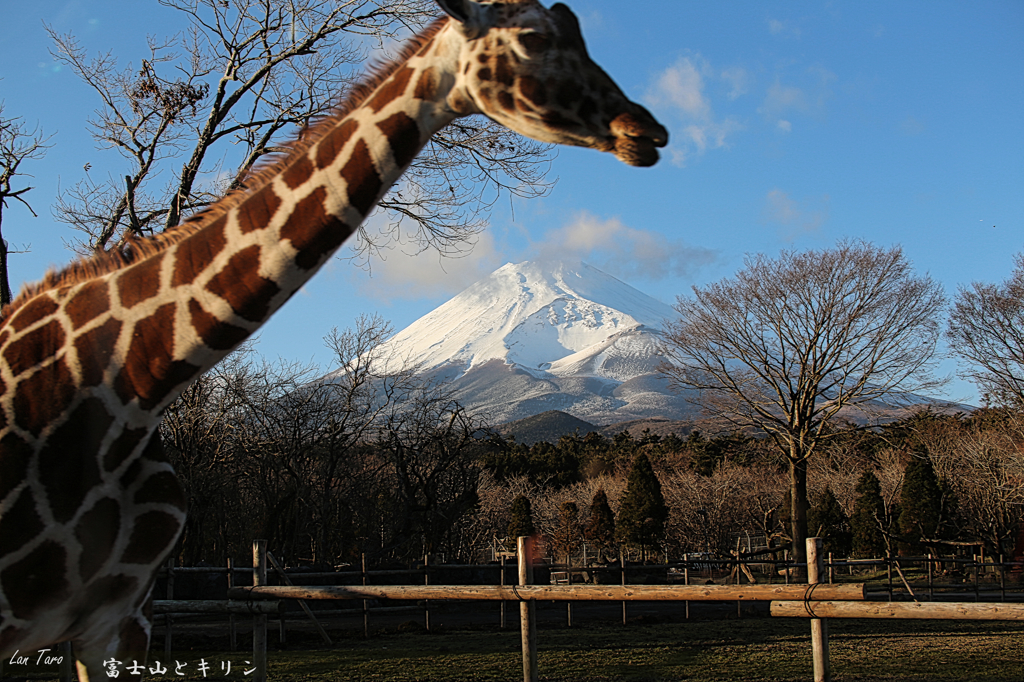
x: 474, y: 17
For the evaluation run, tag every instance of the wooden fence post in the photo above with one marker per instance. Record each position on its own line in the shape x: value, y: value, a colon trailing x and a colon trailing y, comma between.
x: 67, y: 672
x: 168, y: 623
x: 503, y: 582
x: 259, y: 622
x: 1002, y: 578
x: 888, y: 571
x: 527, y: 610
x: 426, y: 581
x: 232, y: 634
x: 366, y: 603
x: 686, y: 581
x: 819, y: 626
x: 622, y: 572
x: 931, y: 587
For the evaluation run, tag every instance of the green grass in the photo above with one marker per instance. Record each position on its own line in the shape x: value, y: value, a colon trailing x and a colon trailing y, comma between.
x: 708, y: 651
x: 749, y: 649
x: 753, y: 649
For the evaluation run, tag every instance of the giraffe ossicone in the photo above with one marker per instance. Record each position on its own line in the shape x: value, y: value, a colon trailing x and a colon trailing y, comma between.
x: 89, y: 358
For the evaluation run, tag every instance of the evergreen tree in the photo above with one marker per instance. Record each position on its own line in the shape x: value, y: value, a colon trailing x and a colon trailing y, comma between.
x: 643, y: 511
x: 920, y: 504
x: 600, y: 528
x: 827, y: 520
x: 566, y: 540
x: 705, y: 454
x: 868, y: 514
x: 520, y: 522
x: 950, y: 509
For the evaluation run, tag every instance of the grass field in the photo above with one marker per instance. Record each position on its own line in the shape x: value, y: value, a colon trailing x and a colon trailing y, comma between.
x: 748, y: 649
x: 707, y: 650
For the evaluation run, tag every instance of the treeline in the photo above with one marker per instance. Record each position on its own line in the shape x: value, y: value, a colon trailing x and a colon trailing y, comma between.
x: 324, y: 468
x: 927, y: 483
x: 327, y: 469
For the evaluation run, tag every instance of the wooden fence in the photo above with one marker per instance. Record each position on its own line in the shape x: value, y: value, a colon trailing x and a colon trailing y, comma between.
x: 818, y: 600
x: 527, y: 595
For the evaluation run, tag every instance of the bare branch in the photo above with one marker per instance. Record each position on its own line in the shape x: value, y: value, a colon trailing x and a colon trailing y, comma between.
x: 986, y: 328
x: 789, y: 343
x: 241, y: 74
x: 18, y: 144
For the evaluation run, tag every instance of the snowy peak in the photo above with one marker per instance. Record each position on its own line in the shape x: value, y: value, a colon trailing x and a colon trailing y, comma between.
x: 549, y: 335
x: 541, y: 316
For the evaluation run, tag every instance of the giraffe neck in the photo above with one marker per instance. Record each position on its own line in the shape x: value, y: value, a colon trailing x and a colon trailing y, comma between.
x: 245, y: 261
x: 193, y: 295
x: 90, y: 358
x: 295, y: 217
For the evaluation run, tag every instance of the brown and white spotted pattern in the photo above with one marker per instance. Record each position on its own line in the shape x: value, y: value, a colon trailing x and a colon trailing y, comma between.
x: 89, y: 358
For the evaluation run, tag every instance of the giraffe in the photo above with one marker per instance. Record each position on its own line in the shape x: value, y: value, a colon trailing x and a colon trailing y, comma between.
x: 90, y: 357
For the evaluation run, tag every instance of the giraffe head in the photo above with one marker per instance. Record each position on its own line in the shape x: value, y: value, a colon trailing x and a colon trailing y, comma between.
x: 526, y: 67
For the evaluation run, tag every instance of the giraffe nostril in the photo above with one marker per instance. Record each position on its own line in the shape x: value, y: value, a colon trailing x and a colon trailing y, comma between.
x: 658, y: 135
x: 636, y: 127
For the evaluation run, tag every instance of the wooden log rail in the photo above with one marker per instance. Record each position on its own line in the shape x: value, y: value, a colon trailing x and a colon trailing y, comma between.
x: 898, y: 610
x: 773, y: 593
x: 215, y: 606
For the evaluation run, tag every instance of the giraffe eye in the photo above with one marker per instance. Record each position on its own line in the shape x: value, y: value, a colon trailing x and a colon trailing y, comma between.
x: 534, y: 42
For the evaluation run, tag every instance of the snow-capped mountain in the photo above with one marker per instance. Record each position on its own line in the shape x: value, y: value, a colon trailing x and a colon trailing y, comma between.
x: 537, y: 315
x: 555, y: 335
x: 545, y: 335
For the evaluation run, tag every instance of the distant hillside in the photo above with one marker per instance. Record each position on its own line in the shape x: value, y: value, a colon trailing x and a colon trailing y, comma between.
x: 547, y: 426
x: 657, y: 427
x: 551, y: 425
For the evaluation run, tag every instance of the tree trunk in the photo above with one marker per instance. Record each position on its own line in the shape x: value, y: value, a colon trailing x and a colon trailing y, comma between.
x: 5, y: 286
x: 798, y: 512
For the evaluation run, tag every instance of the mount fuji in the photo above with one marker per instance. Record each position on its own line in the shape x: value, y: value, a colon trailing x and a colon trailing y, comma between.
x: 546, y: 335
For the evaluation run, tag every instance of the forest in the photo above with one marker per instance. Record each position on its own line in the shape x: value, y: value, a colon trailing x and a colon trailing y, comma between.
x: 329, y: 468
x: 364, y: 460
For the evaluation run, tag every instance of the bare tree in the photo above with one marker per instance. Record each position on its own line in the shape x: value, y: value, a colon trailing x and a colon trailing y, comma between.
x: 367, y: 458
x: 200, y: 433
x: 17, y: 144
x: 986, y: 328
x: 430, y: 444
x: 204, y: 106
x: 789, y: 342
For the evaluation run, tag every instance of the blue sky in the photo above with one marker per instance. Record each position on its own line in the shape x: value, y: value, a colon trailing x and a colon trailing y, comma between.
x: 793, y: 125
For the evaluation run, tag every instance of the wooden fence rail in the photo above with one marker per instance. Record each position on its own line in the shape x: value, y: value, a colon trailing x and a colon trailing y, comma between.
x: 559, y: 592
x: 898, y: 610
x: 245, y: 608
x: 817, y: 602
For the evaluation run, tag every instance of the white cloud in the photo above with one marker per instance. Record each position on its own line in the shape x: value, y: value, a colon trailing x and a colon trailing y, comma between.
x: 681, y: 89
x: 738, y: 78
x: 682, y: 86
x: 783, y: 98
x: 784, y: 126
x: 811, y: 99
x: 403, y: 272
x: 784, y: 29
x: 793, y: 217
x: 624, y: 251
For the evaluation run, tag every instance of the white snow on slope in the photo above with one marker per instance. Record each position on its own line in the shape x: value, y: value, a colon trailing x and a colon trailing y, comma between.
x: 551, y: 335
x: 543, y: 316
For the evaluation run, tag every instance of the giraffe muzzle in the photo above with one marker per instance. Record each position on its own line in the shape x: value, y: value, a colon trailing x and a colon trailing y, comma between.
x: 638, y: 137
